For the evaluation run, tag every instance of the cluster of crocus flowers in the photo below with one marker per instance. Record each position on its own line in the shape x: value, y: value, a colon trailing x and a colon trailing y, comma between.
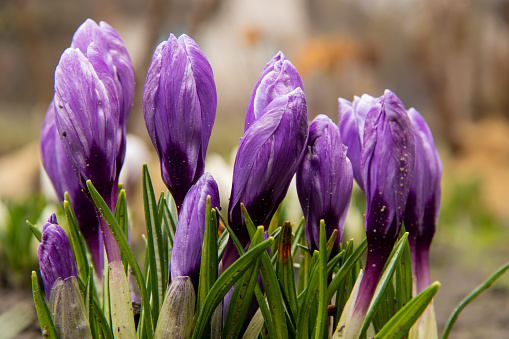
x: 59, y: 276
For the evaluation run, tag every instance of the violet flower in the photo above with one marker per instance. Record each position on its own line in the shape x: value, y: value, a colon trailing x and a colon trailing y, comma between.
x: 58, y: 272
x: 279, y: 77
x: 56, y: 258
x: 179, y: 106
x: 324, y: 182
x: 62, y: 176
x: 387, y: 165
x: 268, y: 156
x: 351, y: 117
x: 423, y: 204
x: 188, y: 241
x: 119, y: 65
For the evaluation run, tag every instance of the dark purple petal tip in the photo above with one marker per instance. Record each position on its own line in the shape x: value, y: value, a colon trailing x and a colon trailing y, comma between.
x: 56, y: 259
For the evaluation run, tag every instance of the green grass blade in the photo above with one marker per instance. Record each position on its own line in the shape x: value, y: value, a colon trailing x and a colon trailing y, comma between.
x: 35, y: 231
x: 43, y: 313
x: 224, y: 283
x: 284, y: 268
x: 124, y: 247
x: 123, y: 222
x: 469, y: 298
x: 400, y: 324
x: 98, y: 312
x: 321, y: 322
x: 154, y: 238
x: 77, y: 241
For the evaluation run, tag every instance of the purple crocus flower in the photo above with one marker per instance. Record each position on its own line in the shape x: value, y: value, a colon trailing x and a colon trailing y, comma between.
x: 387, y: 165
x: 268, y: 156
x: 112, y: 49
x: 179, y: 106
x: 423, y: 204
x: 56, y: 259
x: 351, y: 117
x: 324, y: 182
x: 279, y: 77
x: 60, y: 171
x: 186, y: 252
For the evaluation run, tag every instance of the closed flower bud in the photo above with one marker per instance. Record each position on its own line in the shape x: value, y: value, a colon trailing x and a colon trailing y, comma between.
x: 188, y: 240
x: 324, y: 182
x: 179, y: 106
x: 56, y: 259
x: 119, y: 65
x: 279, y: 77
x: 423, y: 204
x: 351, y: 117
x: 58, y: 272
x: 87, y: 117
x: 267, y: 159
x: 387, y: 165
x: 62, y: 176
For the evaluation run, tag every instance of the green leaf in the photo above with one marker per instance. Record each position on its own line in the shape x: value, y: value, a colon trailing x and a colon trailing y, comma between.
x: 208, y: 265
x: 284, y: 268
x: 345, y: 269
x: 404, y: 278
x: 155, y: 247
x: 225, y: 282
x: 122, y: 219
x: 221, y: 243
x: 77, y: 241
x: 384, y: 281
x: 124, y: 247
x: 45, y: 321
x: 271, y: 284
x: 36, y: 232
x: 469, y: 298
x: 305, y: 299
x: 242, y: 294
x: 400, y: 324
x: 299, y: 232
x: 321, y: 322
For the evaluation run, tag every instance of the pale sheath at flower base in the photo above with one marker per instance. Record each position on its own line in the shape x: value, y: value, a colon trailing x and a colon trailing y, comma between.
x: 58, y: 272
x: 324, y: 182
x: 351, y: 118
x: 188, y: 240
x: 179, y: 106
x: 279, y: 77
x: 62, y: 176
x: 387, y: 165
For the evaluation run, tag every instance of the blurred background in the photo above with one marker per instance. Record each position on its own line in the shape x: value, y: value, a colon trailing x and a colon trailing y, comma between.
x: 447, y: 58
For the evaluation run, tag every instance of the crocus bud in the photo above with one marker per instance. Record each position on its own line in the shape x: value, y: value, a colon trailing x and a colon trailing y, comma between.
x: 387, y: 165
x: 179, y: 106
x: 423, y: 204
x: 56, y: 259
x: 267, y: 159
x: 87, y: 117
x: 62, y: 176
x: 324, y: 182
x: 58, y: 272
x: 188, y: 240
x: 351, y: 117
x: 279, y: 77
x: 119, y: 65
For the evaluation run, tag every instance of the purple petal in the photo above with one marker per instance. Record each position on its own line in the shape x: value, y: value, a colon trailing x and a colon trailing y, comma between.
x: 64, y: 179
x: 324, y: 181
x: 423, y: 205
x: 56, y: 259
x: 387, y: 164
x: 279, y: 77
x: 267, y: 159
x: 179, y: 105
x: 187, y: 244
